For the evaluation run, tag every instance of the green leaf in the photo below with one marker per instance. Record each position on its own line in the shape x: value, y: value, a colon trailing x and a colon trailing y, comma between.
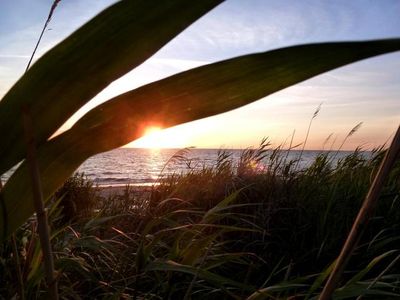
x: 361, y: 288
x: 75, y: 265
x: 320, y: 279
x: 196, y: 249
x: 224, y: 204
x: 356, y: 278
x: 114, y: 42
x: 267, y: 293
x: 184, y: 97
x: 97, y: 221
x: 218, y: 280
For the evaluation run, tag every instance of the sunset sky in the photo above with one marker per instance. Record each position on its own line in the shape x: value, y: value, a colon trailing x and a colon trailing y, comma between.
x: 368, y: 91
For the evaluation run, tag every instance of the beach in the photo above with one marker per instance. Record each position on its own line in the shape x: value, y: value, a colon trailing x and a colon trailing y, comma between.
x: 119, y: 190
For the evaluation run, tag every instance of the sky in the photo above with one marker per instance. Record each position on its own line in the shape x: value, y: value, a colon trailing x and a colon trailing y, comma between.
x: 367, y: 91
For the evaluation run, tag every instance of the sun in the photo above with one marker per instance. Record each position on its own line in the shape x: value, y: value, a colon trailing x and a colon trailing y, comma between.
x: 151, y: 139
x: 152, y: 130
x: 155, y: 137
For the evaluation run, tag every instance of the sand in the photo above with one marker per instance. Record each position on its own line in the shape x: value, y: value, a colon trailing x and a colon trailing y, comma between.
x: 112, y: 190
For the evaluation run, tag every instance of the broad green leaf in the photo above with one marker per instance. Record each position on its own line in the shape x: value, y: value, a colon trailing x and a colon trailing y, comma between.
x: 184, y: 97
x: 65, y: 78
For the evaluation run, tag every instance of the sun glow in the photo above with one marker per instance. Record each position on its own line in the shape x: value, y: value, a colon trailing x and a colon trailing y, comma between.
x: 155, y: 137
x: 152, y: 130
x: 151, y: 138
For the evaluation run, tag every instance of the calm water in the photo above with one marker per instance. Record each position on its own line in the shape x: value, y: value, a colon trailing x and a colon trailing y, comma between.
x: 145, y: 166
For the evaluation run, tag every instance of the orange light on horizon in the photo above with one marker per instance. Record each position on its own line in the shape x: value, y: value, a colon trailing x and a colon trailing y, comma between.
x: 151, y: 138
x: 151, y: 130
x: 156, y: 137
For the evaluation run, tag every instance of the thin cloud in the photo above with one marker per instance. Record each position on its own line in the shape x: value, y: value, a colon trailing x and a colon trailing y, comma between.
x: 13, y: 56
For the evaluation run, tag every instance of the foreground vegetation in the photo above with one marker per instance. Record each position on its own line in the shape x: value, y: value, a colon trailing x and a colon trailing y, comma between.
x: 259, y: 228
x: 114, y: 42
x: 228, y: 231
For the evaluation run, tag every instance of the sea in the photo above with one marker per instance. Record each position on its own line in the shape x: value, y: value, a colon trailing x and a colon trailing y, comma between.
x: 145, y: 167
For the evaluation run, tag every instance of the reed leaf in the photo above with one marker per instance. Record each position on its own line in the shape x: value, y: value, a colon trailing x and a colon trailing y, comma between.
x: 184, y: 97
x: 218, y: 280
x: 114, y: 42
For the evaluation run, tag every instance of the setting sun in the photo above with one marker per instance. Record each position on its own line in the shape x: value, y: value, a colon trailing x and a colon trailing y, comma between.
x: 152, y: 130
x: 151, y: 139
x: 157, y: 137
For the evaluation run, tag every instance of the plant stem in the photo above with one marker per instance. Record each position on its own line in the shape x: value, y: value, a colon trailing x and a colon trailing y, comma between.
x: 43, y: 227
x: 190, y: 288
x: 17, y: 261
x: 363, y: 217
x: 18, y: 267
x: 381, y: 275
x: 290, y: 146
x: 53, y: 7
x: 308, y: 132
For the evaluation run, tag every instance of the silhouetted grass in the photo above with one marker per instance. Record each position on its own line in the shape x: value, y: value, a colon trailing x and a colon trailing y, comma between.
x: 259, y: 228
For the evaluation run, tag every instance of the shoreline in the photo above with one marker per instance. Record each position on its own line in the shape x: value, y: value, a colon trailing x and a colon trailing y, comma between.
x: 106, y: 191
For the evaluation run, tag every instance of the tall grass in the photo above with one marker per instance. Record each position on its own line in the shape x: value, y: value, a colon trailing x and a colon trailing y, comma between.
x: 257, y: 227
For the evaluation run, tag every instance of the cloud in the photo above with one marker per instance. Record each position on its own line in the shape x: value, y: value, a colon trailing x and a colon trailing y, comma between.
x: 13, y: 56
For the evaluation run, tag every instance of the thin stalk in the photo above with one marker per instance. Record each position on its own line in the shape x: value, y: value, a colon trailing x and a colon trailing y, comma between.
x: 290, y: 146
x: 43, y: 227
x: 308, y: 132
x: 17, y: 261
x: 326, y: 141
x: 53, y: 7
x: 351, y: 132
x: 364, y: 215
x: 18, y: 267
x: 196, y: 275
x: 41, y: 215
x: 381, y: 275
x: 30, y: 251
x: 333, y: 143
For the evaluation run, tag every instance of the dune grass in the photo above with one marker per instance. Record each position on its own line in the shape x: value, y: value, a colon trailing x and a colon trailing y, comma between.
x: 258, y: 228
